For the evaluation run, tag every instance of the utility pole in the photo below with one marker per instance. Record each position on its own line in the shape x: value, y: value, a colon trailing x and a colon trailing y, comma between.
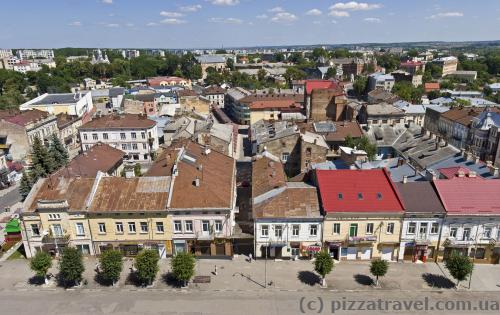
x: 265, y: 266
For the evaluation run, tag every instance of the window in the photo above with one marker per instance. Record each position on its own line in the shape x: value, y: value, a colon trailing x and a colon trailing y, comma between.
x: 360, y: 196
x: 102, y: 228
x: 295, y: 230
x: 487, y: 232
x: 87, y: 147
x: 205, y: 226
x: 278, y: 231
x: 264, y: 230
x: 453, y: 232
x: 353, y: 230
x: 177, y: 226
x: 80, y: 231
x: 95, y: 137
x: 131, y: 227
x: 119, y: 227
x: 84, y: 136
x: 313, y: 230
x: 423, y: 228
x: 134, y: 146
x: 57, y: 230
x: 466, y: 235
x: 123, y: 136
x: 159, y: 227
x: 143, y: 135
x: 498, y: 234
x: 340, y: 196
x: 189, y: 226
x: 434, y: 228
x: 390, y: 228
x: 412, y: 226
x: 218, y: 226
x: 144, y: 227
x: 369, y: 228
x: 105, y: 136
x: 336, y: 228
x: 285, y: 156
x: 124, y: 146
x: 379, y: 196
x: 134, y: 135
x: 35, y: 230
x: 144, y: 146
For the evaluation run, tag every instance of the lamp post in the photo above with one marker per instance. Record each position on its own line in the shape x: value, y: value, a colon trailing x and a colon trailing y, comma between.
x: 474, y: 257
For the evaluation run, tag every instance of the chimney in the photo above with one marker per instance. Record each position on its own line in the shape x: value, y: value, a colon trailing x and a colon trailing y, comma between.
x: 196, y: 182
x: 405, y: 179
x: 495, y: 172
x: 469, y: 156
x: 461, y: 173
x: 206, y: 151
x: 477, y: 160
x: 472, y: 174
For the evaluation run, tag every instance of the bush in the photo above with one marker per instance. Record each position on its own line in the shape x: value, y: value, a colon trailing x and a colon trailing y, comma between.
x: 183, y: 266
x: 146, y: 263
x: 111, y: 265
x: 40, y: 264
x: 71, y: 266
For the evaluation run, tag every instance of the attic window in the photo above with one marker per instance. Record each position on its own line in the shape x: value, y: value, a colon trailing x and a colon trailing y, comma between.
x: 340, y: 196
x: 379, y: 196
x: 360, y: 196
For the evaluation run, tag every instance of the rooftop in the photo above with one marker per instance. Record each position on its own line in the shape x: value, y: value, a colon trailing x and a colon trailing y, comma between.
x: 263, y: 131
x: 420, y: 197
x: 27, y: 117
x: 62, y: 98
x: 119, y: 121
x: 267, y: 174
x: 358, y: 191
x: 457, y: 161
x: 383, y: 109
x: 311, y: 85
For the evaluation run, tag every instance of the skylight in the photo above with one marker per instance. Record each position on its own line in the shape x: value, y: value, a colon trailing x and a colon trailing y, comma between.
x: 360, y: 196
x: 340, y: 196
x: 379, y: 196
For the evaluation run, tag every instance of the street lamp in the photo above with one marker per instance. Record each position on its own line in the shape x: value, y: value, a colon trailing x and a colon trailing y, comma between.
x: 46, y: 233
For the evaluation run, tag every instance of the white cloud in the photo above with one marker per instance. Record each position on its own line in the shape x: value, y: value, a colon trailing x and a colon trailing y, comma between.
x: 225, y: 20
x: 339, y: 13
x: 75, y: 23
x: 262, y: 16
x: 191, y: 8
x: 225, y: 2
x: 372, y: 20
x: 316, y: 22
x: 355, y: 6
x: 130, y: 24
x: 276, y: 9
x: 171, y: 14
x: 446, y: 15
x: 172, y: 21
x: 314, y: 12
x: 112, y: 25
x: 284, y: 17
x: 334, y: 22
x: 107, y: 1
x: 152, y: 24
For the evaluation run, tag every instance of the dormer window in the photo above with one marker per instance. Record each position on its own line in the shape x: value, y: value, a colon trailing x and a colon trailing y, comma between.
x: 379, y: 196
x: 340, y: 196
x: 360, y: 196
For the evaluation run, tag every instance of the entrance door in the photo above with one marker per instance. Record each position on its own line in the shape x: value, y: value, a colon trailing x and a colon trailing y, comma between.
x: 387, y: 253
x: 334, y: 252
x: 161, y: 251
x: 278, y: 252
x: 351, y: 253
x: 365, y: 253
x: 265, y: 251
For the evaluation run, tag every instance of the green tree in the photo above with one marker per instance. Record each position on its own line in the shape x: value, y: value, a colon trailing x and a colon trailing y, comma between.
x: 261, y: 75
x: 40, y: 264
x: 146, y: 263
x: 331, y: 73
x: 389, y: 61
x: 43, y: 162
x: 378, y: 268
x: 25, y: 185
x: 323, y: 265
x: 58, y: 152
x: 294, y: 73
x: 362, y: 143
x: 230, y: 63
x: 183, y: 267
x: 459, y: 266
x: 71, y: 266
x: 406, y: 91
x: 111, y: 265
x: 360, y: 84
x: 137, y: 170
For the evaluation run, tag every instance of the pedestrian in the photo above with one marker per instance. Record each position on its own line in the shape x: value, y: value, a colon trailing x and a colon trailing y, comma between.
x: 250, y: 257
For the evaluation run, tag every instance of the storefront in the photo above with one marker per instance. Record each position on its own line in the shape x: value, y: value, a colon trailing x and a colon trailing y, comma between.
x: 334, y: 249
x: 204, y: 248
x: 418, y: 251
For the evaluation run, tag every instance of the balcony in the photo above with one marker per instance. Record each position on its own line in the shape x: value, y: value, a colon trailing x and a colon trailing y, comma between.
x: 361, y: 239
x: 50, y: 239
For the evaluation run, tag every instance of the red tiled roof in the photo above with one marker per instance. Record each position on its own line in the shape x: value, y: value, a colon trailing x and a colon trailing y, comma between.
x: 26, y: 117
x: 452, y: 172
x: 465, y: 196
x: 153, y: 81
x: 411, y: 63
x: 432, y: 86
x: 379, y: 193
x: 117, y: 121
x: 319, y: 84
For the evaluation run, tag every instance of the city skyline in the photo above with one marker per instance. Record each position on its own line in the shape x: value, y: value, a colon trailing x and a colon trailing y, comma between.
x: 242, y: 23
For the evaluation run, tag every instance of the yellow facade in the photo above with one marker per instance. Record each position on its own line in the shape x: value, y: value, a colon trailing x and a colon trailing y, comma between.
x: 255, y: 116
x: 363, y: 238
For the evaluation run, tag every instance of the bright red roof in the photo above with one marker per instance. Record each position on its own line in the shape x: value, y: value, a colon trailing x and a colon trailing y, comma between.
x: 340, y: 191
x: 465, y: 196
x: 319, y: 84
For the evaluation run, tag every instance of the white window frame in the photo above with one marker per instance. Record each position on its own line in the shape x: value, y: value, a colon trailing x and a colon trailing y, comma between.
x: 334, y: 228
x: 368, y: 230
x: 453, y: 231
x: 144, y: 227
x: 177, y: 226
x: 412, y: 228
x: 119, y: 227
x: 80, y: 229
x: 218, y: 226
x: 296, y: 230
x: 132, y: 228
x: 264, y: 230
x: 434, y: 228
x: 278, y: 231
x: 159, y: 227
x: 102, y: 227
x: 313, y: 230
x: 189, y: 226
x: 205, y: 226
x: 37, y: 228
x: 390, y: 228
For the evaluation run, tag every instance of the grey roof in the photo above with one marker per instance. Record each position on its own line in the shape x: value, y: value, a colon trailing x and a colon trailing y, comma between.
x: 211, y: 59
x: 412, y: 194
x: 62, y: 98
x: 486, y: 119
x: 383, y: 109
x: 442, y: 100
x: 457, y: 160
x: 396, y: 171
x: 263, y: 131
x: 324, y: 126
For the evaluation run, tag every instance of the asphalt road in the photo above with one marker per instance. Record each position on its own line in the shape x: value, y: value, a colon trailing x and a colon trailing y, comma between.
x: 9, y: 199
x: 242, y: 302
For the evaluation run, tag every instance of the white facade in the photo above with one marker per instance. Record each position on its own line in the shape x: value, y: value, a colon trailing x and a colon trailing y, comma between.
x: 381, y: 81
x: 420, y: 231
x: 133, y: 141
x: 216, y: 99
x: 77, y: 104
x: 286, y: 238
x: 35, y: 53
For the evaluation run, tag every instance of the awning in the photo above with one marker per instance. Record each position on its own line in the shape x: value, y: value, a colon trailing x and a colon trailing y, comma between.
x: 13, y: 227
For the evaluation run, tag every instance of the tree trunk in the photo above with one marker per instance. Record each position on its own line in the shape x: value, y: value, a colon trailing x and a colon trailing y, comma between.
x: 46, y: 279
x: 376, y: 281
x: 323, y: 282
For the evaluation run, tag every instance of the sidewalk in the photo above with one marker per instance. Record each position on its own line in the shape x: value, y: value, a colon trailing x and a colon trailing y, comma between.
x: 240, y: 275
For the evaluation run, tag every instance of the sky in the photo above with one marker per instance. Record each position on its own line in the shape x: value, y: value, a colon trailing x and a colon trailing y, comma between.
x: 241, y: 23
